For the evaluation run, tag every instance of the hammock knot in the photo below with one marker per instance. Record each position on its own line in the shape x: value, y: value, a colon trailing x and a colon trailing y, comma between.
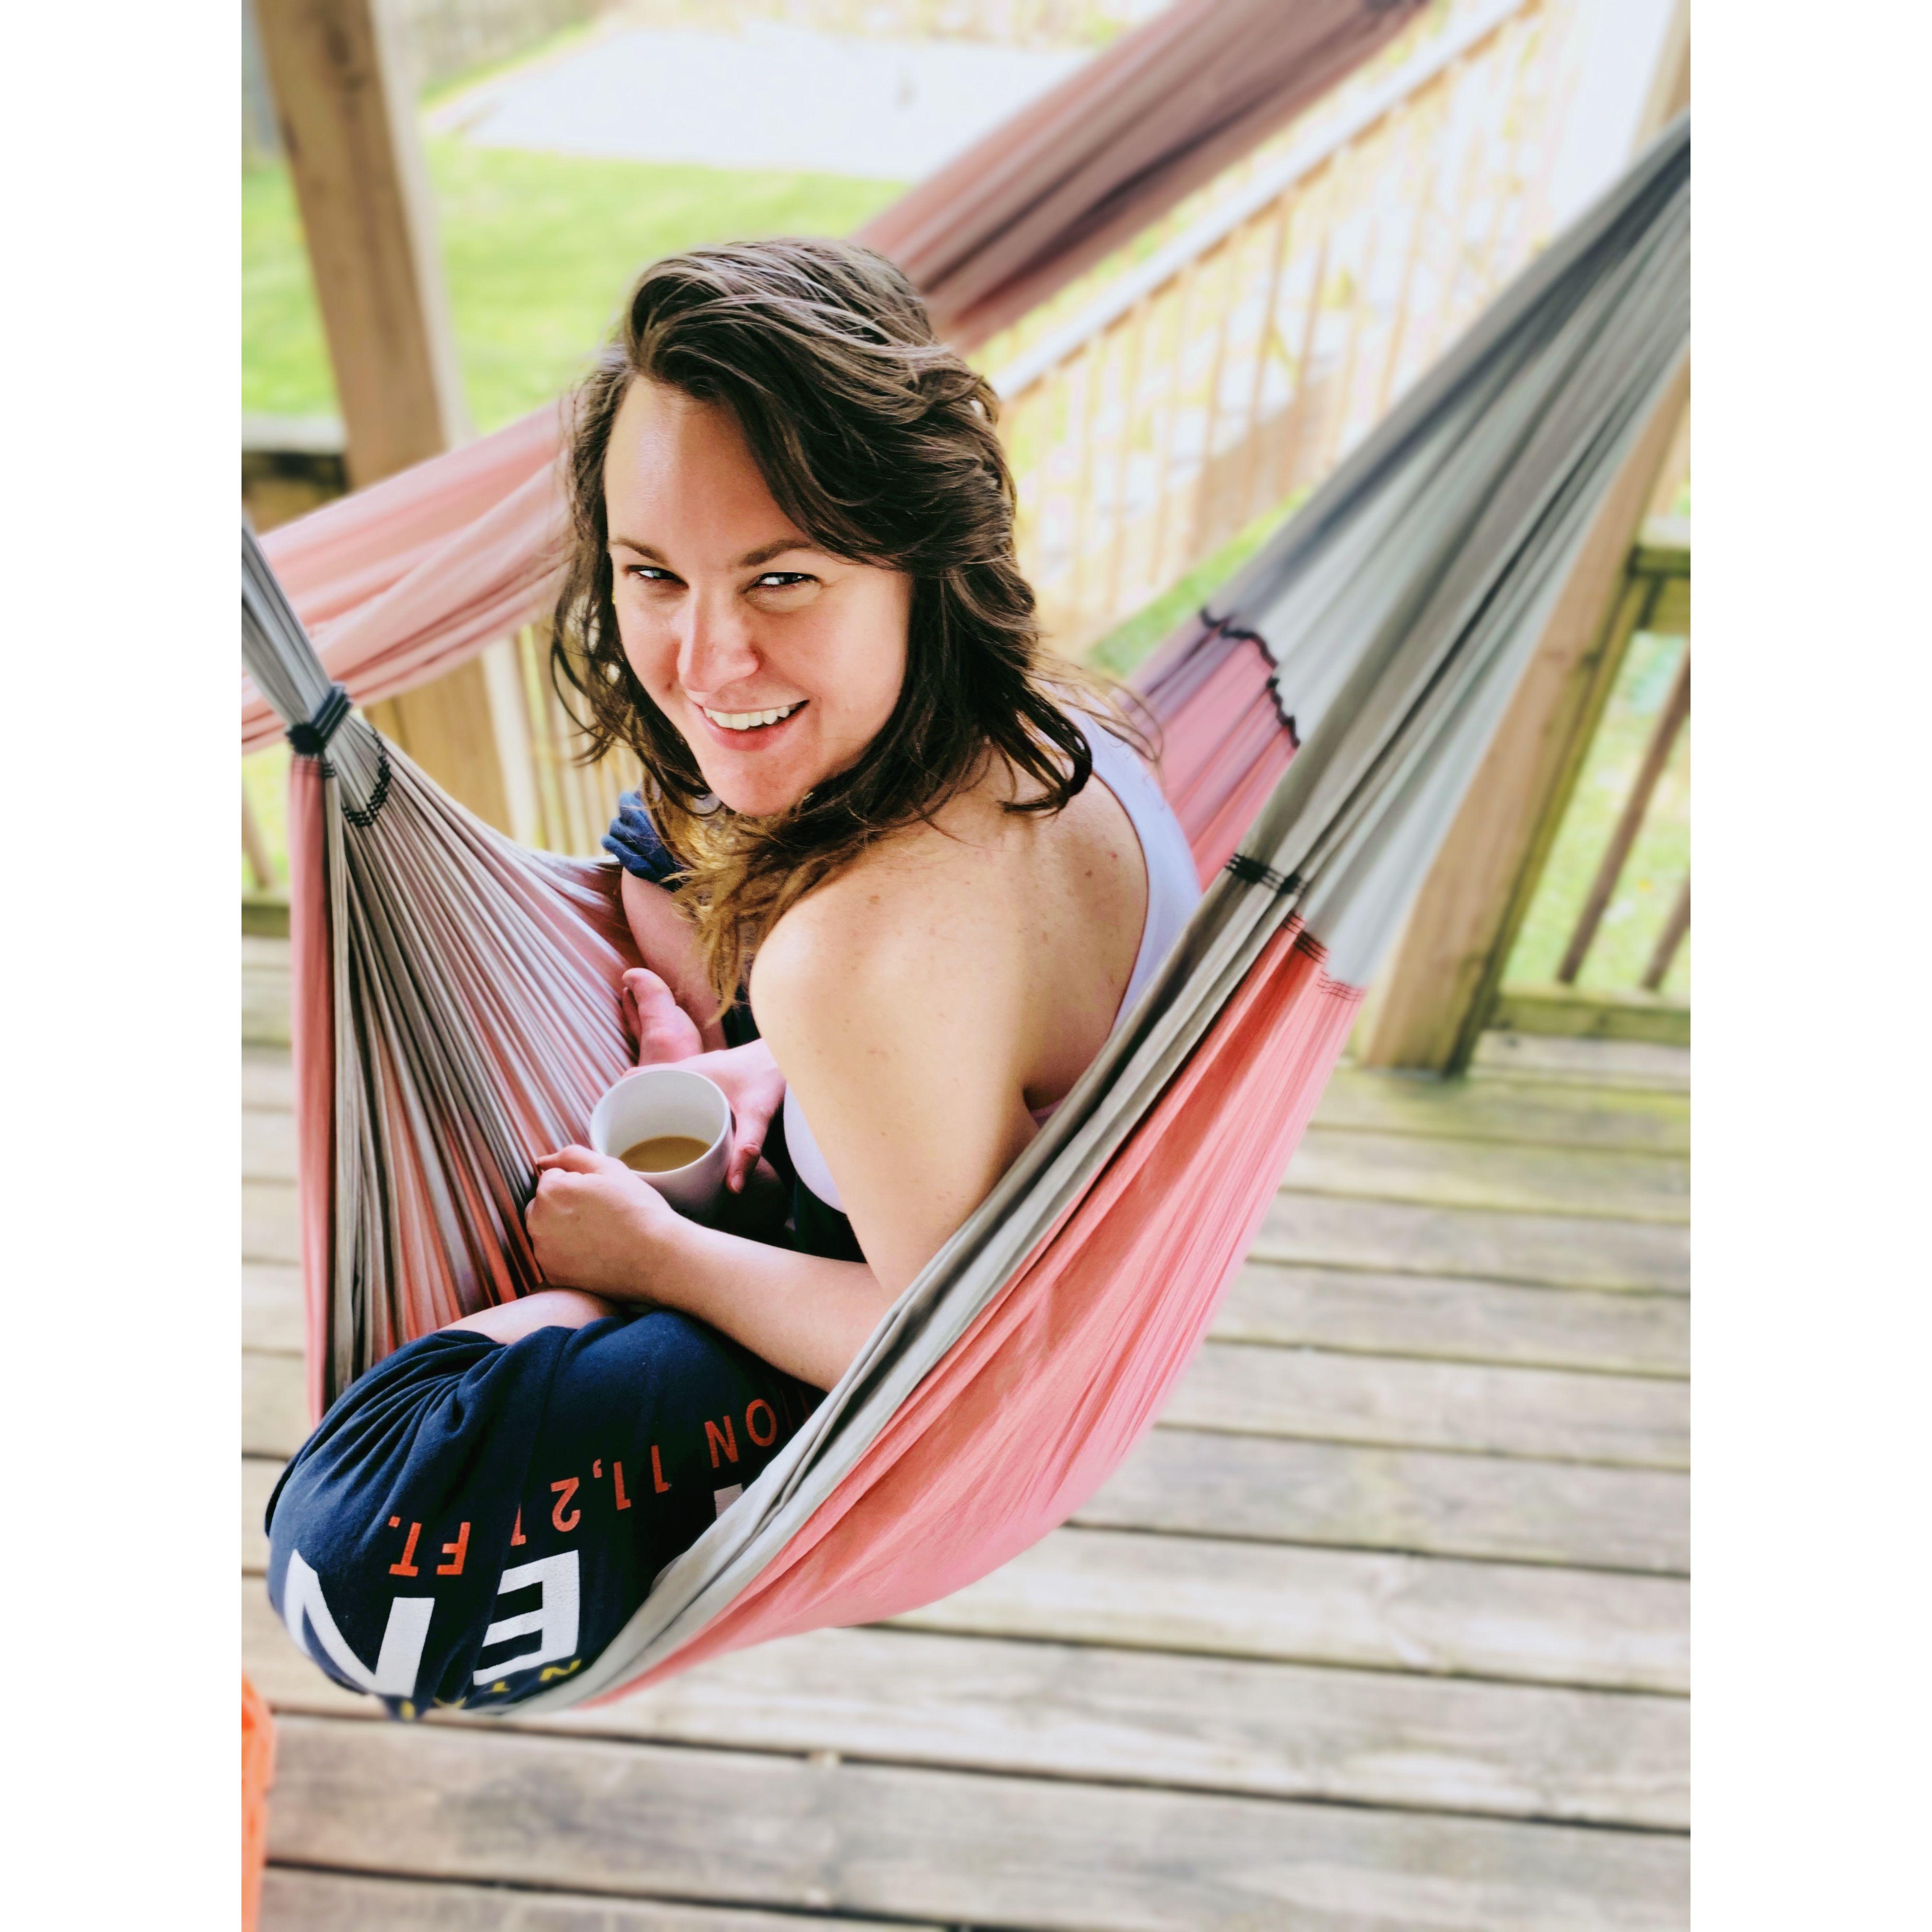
x: 311, y: 739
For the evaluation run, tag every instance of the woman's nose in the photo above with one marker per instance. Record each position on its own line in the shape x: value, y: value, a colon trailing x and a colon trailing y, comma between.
x: 716, y: 649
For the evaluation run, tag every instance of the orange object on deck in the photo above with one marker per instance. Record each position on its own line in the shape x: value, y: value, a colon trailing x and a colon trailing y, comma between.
x: 258, y: 1773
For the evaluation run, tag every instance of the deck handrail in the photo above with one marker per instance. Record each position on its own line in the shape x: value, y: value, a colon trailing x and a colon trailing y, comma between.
x: 1306, y: 158
x: 1197, y: 393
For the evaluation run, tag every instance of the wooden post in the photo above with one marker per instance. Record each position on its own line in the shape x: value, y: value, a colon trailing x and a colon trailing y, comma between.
x: 1427, y: 1008
x: 347, y: 112
x: 348, y: 124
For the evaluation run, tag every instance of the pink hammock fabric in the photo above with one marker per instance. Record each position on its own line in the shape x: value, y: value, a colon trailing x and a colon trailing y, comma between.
x: 1071, y: 1364
x: 402, y: 581
x: 478, y: 983
x: 1027, y: 1416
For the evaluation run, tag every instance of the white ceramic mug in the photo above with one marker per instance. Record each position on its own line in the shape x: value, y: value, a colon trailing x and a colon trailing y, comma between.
x: 653, y: 1100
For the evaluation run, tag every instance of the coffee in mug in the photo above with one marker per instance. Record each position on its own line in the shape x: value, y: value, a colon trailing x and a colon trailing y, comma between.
x: 662, y: 1152
x: 672, y: 1128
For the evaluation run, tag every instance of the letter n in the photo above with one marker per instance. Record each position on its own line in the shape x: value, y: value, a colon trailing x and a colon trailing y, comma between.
x: 728, y: 1441
x: 403, y: 1635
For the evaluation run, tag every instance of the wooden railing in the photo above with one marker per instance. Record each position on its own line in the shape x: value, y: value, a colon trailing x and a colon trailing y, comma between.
x: 1231, y: 370
x: 1621, y: 824
x: 1165, y: 404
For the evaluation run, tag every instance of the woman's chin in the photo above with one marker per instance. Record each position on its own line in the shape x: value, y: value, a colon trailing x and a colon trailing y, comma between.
x: 755, y: 793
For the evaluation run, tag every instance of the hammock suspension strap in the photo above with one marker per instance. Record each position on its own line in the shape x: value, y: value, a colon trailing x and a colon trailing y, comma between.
x: 1256, y: 873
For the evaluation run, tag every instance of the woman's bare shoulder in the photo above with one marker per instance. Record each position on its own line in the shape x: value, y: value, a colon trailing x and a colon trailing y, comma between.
x: 911, y: 911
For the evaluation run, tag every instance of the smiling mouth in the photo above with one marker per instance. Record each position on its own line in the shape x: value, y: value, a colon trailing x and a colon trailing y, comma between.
x: 751, y: 721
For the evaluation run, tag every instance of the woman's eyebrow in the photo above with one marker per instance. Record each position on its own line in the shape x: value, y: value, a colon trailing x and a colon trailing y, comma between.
x: 766, y: 552
x: 749, y: 561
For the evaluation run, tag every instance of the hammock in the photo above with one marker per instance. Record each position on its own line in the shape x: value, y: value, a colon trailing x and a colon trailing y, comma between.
x: 455, y: 1012
x: 409, y: 577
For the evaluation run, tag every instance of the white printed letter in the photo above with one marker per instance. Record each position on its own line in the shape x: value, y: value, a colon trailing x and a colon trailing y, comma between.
x: 403, y: 1636
x: 554, y: 1619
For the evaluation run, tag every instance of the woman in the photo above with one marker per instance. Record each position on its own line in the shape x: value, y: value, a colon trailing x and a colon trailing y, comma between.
x: 793, y: 592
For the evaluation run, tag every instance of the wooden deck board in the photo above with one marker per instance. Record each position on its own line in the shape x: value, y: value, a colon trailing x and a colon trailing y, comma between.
x: 1384, y: 1626
x: 1583, y: 1062
x: 1403, y: 1236
x: 295, y: 1901
x: 1419, y: 1501
x: 1368, y: 1609
x: 1639, y: 1421
x: 1498, y: 1107
x: 747, y: 1828
x: 893, y: 1695
x: 1441, y: 1318
x: 1612, y: 1184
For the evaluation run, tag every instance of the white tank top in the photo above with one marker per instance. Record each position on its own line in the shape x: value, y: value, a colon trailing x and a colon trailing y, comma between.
x: 1173, y: 891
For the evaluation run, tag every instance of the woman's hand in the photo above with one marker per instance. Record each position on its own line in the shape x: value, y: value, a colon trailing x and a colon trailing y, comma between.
x: 752, y: 1083
x: 595, y: 1224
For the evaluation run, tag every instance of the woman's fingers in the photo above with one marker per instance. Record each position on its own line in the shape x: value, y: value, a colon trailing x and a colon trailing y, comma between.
x: 576, y: 1159
x: 744, y: 1158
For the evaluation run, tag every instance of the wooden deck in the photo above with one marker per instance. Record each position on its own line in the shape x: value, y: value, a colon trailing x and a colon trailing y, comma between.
x: 1385, y: 1626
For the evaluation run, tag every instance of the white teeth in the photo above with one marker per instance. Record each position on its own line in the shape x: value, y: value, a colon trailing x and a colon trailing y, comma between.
x: 746, y: 721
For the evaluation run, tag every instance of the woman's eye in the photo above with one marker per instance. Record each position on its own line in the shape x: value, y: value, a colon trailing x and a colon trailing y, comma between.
x: 782, y: 579
x: 645, y: 573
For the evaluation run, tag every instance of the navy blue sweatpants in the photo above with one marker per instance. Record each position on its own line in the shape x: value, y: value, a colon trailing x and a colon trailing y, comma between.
x: 472, y: 1521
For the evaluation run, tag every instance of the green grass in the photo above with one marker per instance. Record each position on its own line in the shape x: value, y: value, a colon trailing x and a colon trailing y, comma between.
x: 538, y: 251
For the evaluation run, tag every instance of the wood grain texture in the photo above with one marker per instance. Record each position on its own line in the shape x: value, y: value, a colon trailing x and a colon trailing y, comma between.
x: 1446, y: 1319
x: 268, y: 1077
x: 1631, y: 1120
x: 295, y: 1900
x: 272, y: 1307
x: 1515, y: 1623
x: 269, y: 1232
x: 1628, y: 1064
x: 1641, y: 1422
x: 275, y: 1404
x: 1264, y: 1489
x: 268, y: 1144
x: 1607, y: 1182
x: 745, y: 1828
x: 1184, y: 1723
x: 1559, y: 1250
x: 368, y: 221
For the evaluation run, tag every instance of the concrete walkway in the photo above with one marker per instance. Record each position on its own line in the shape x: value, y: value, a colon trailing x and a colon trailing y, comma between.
x: 772, y: 96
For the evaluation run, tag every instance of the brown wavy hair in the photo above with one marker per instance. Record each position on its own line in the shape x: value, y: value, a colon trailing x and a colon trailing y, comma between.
x: 880, y: 444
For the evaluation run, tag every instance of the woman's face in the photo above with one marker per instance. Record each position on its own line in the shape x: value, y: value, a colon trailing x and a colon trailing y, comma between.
x: 779, y: 662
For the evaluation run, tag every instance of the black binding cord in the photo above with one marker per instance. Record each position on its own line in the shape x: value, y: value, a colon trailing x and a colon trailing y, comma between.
x: 1256, y: 873
x: 311, y: 739
x: 377, y: 797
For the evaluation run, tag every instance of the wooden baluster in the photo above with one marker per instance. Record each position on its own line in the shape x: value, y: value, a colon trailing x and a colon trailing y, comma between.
x: 1246, y: 508
x: 1669, y: 940
x: 1173, y: 399
x: 255, y: 847
x: 1617, y: 855
x: 1130, y: 389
